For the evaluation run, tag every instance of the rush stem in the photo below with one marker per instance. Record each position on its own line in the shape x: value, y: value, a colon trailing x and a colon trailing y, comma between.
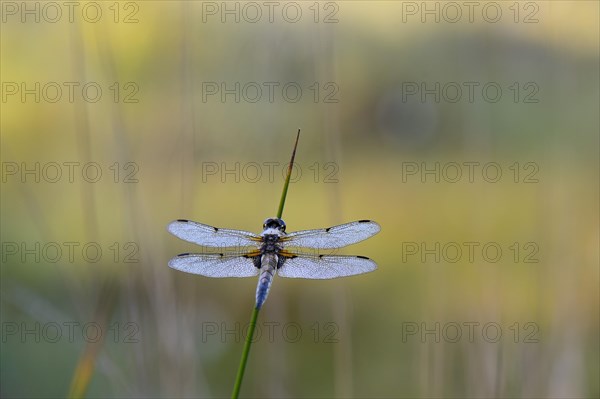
x: 248, y: 342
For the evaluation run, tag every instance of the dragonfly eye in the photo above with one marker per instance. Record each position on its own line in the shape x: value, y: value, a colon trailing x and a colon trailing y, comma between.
x: 274, y: 223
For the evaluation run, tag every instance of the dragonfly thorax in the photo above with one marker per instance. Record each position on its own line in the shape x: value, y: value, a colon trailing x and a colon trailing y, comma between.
x: 271, y: 243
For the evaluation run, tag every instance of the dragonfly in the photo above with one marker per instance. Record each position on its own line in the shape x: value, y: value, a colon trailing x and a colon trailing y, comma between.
x: 294, y: 255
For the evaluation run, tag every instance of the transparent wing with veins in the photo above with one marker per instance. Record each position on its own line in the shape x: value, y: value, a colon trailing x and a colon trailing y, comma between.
x: 332, y: 237
x: 325, y: 267
x: 239, y: 247
x: 215, y: 265
x: 213, y: 237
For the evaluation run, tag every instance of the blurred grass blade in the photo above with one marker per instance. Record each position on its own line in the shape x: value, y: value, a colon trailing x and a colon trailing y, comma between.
x: 107, y: 301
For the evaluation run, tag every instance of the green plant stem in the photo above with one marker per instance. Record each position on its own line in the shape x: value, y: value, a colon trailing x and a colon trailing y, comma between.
x: 287, y: 179
x: 240, y: 374
x: 248, y: 342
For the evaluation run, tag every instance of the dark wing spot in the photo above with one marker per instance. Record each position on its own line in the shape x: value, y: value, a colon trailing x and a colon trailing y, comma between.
x: 221, y: 255
x: 183, y: 220
x: 185, y: 254
x: 363, y: 257
x: 216, y: 229
x: 320, y: 256
x: 327, y: 229
x: 364, y: 221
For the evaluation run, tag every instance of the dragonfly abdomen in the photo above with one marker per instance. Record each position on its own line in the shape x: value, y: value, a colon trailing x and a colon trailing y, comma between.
x: 265, y: 278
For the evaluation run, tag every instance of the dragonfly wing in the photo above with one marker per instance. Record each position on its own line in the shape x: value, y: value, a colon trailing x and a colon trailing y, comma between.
x: 333, y: 237
x: 325, y: 267
x: 209, y: 236
x: 215, y: 265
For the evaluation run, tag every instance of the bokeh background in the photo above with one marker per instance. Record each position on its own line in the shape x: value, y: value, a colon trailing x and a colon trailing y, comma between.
x: 168, y: 147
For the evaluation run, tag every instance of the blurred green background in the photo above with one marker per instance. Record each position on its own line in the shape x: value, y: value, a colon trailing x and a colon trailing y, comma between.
x: 378, y: 107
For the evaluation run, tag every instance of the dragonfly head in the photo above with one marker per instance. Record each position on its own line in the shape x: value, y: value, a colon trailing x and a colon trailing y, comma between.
x: 274, y: 223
